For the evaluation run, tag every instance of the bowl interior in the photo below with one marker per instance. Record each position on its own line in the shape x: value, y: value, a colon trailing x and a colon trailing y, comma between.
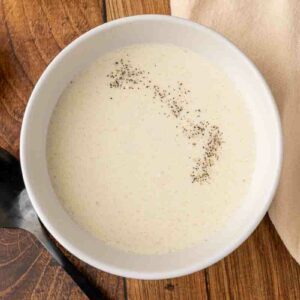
x: 124, y: 32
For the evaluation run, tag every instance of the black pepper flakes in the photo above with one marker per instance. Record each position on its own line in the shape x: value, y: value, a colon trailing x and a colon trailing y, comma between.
x: 125, y: 76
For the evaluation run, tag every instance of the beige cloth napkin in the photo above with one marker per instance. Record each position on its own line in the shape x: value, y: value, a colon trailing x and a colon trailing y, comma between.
x: 268, y: 31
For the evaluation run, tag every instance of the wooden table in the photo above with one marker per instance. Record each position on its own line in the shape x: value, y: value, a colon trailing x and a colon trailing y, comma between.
x: 32, y: 32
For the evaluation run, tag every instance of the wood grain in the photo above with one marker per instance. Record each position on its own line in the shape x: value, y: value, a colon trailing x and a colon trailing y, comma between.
x: 32, y: 32
x: 260, y: 269
x: 124, y: 8
x: 27, y: 270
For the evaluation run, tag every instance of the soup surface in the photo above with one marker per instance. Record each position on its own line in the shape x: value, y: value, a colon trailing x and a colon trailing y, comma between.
x: 151, y: 149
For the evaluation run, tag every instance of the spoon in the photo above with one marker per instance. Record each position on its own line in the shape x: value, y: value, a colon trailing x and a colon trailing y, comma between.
x: 16, y: 211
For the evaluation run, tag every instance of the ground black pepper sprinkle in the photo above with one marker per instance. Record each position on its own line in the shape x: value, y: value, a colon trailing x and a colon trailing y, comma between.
x: 175, y: 98
x: 201, y: 170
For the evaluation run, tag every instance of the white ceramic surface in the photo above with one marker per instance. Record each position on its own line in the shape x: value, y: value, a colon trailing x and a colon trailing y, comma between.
x: 79, y: 54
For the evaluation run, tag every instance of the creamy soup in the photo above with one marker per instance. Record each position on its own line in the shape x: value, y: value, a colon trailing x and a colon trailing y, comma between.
x: 151, y: 149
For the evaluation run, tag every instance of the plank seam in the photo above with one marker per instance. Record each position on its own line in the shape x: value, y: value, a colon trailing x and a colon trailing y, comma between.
x: 104, y: 12
x: 206, y: 276
x: 125, y: 289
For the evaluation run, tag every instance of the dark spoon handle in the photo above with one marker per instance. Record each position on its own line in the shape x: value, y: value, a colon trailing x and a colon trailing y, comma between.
x: 16, y: 211
x: 86, y: 286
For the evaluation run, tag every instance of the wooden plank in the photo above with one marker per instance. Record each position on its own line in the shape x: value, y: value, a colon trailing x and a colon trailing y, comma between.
x: 123, y: 8
x: 184, y: 288
x: 32, y: 32
x: 260, y: 269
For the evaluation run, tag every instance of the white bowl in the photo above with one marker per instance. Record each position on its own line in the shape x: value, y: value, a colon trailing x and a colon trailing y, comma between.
x: 82, y: 52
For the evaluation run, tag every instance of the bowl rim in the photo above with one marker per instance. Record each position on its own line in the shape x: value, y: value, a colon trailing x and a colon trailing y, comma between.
x: 122, y: 271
